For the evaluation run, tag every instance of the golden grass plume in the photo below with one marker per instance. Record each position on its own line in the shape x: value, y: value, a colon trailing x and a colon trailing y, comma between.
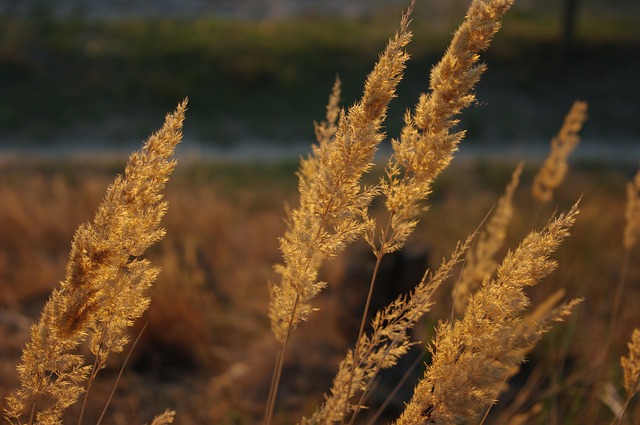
x: 105, y: 286
x: 427, y: 143
x: 472, y: 356
x: 331, y: 195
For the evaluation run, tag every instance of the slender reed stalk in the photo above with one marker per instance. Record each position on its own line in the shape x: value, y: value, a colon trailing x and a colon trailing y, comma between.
x: 124, y: 365
x: 376, y: 416
x: 105, y: 286
x: 308, y: 167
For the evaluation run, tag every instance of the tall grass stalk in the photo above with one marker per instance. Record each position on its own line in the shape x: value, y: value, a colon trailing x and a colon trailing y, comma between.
x: 471, y: 356
x: 331, y: 195
x: 105, y: 286
x: 427, y: 142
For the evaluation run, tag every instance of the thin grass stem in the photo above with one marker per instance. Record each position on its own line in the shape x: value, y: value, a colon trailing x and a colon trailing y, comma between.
x: 273, y: 381
x: 608, y: 343
x: 276, y: 385
x: 356, y: 360
x: 115, y: 384
x: 618, y: 419
x: 486, y: 413
x: 85, y: 398
x: 397, y: 387
x: 32, y: 415
x: 379, y: 255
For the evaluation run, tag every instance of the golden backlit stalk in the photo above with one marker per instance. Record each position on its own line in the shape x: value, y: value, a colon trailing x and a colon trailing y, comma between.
x: 332, y: 198
x: 428, y: 142
x: 554, y: 169
x: 473, y: 355
x: 331, y: 194
x: 104, y: 289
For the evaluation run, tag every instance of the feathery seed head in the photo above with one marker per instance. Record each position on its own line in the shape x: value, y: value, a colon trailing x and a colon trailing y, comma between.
x: 331, y: 195
x: 103, y: 291
x: 389, y: 341
x: 427, y: 143
x: 472, y: 356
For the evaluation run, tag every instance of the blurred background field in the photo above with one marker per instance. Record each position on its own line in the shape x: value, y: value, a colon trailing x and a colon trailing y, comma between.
x: 88, y: 75
x: 82, y: 83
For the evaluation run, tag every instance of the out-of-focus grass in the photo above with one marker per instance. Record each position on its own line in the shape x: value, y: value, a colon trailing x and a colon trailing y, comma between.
x: 264, y: 79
